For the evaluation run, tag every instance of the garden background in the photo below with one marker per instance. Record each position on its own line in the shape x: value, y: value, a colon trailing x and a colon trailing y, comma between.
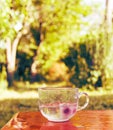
x: 55, y: 43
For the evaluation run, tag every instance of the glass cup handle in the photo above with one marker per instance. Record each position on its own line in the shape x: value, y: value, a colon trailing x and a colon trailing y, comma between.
x: 86, y: 103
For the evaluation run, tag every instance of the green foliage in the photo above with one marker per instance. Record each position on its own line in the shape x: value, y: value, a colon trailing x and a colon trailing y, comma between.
x: 78, y: 66
x: 60, y: 28
x: 55, y: 35
x: 2, y: 56
x: 15, y: 16
x: 3, y: 76
x: 18, y: 16
x: 25, y: 57
x: 101, y: 102
x: 85, y: 61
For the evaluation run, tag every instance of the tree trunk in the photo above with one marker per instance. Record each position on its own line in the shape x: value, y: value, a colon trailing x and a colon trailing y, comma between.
x: 9, y: 63
x: 108, y: 15
x: 108, y: 62
x: 11, y: 58
x: 34, y: 65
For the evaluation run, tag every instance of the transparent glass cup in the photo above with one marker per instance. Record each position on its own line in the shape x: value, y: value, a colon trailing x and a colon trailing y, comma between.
x: 59, y: 104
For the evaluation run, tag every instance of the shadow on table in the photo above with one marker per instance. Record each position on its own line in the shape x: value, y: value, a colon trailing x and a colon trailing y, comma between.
x: 61, y: 126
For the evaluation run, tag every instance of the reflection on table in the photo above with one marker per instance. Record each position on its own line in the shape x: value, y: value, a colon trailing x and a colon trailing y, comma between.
x: 83, y: 120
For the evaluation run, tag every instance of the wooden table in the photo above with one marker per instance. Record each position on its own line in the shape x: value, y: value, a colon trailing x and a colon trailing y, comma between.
x: 83, y: 120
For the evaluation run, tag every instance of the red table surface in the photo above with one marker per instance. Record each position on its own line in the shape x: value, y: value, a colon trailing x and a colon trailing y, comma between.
x: 83, y: 120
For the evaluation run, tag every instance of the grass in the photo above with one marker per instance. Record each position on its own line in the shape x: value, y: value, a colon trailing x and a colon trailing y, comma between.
x: 12, y: 101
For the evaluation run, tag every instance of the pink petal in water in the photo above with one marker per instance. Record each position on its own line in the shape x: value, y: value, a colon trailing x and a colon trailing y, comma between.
x: 67, y: 109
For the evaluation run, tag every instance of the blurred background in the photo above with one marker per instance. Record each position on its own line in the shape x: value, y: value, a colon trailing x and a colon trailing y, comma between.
x: 55, y: 43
